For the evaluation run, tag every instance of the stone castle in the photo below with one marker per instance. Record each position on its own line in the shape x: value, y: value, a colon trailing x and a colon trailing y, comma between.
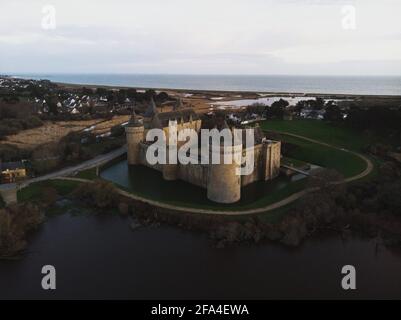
x: 221, y: 181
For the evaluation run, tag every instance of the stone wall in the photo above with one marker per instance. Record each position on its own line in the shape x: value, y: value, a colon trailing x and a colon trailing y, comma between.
x: 258, y: 172
x: 196, y: 174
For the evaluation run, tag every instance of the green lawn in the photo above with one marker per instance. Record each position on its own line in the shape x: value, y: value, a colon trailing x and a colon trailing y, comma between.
x: 344, y: 162
x: 321, y: 131
x: 89, y: 174
x: 34, y: 192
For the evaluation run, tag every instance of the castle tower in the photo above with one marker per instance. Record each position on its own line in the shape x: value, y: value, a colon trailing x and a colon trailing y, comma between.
x: 135, y: 134
x: 224, y: 180
x: 170, y: 170
x: 271, y: 159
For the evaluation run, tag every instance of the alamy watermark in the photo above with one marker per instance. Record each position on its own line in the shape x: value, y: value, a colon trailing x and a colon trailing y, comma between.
x: 348, y: 282
x: 224, y: 146
x: 49, y: 17
x: 49, y: 280
x: 349, y: 17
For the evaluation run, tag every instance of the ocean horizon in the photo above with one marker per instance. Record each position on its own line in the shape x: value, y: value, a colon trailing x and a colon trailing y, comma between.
x: 363, y: 85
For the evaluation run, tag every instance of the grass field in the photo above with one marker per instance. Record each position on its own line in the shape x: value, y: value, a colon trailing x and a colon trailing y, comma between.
x: 88, y: 174
x: 35, y: 191
x: 321, y: 131
x: 344, y: 162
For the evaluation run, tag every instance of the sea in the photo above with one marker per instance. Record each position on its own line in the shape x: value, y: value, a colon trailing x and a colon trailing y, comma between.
x: 359, y: 85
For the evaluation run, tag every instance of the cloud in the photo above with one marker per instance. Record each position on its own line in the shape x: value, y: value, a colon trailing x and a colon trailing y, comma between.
x: 236, y: 36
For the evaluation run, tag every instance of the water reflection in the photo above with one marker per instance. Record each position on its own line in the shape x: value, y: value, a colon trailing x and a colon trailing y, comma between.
x: 101, y: 257
x: 150, y: 183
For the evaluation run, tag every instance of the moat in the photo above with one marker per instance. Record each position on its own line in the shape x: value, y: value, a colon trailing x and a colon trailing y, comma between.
x: 150, y: 184
x: 101, y: 257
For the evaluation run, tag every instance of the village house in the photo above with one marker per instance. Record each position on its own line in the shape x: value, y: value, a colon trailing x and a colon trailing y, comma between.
x: 12, y: 172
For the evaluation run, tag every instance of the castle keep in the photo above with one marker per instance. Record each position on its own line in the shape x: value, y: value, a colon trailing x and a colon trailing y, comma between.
x: 221, y: 181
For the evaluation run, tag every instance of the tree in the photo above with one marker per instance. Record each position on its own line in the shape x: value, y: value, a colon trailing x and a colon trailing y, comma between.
x: 121, y: 96
x: 317, y: 104
x: 101, y: 91
x: 162, y: 97
x: 389, y: 197
x: 277, y: 109
x: 281, y: 103
x: 52, y: 104
x: 101, y: 194
x: 333, y: 113
x: 300, y: 106
x: 87, y: 91
x: 15, y: 223
x: 131, y: 93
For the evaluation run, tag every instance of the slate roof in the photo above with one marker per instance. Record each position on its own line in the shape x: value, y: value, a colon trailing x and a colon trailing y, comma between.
x: 11, y: 165
x: 184, y: 115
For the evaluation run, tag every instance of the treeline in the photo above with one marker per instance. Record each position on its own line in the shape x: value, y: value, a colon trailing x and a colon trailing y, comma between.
x: 281, y: 108
x: 16, y: 222
x: 13, y: 126
x: 15, y: 117
x: 380, y: 118
x: 119, y: 96
x: 28, y: 89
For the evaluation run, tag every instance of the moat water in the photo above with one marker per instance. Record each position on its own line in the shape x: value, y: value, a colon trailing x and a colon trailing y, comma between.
x: 150, y: 183
x: 101, y: 257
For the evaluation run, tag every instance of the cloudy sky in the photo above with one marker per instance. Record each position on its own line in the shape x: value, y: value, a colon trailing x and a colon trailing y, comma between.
x: 201, y: 37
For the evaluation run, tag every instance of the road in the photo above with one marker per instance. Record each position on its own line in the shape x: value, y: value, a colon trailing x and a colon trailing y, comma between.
x: 99, y: 160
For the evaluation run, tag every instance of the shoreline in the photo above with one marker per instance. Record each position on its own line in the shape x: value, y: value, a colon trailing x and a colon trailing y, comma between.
x: 214, y: 91
x: 229, y: 92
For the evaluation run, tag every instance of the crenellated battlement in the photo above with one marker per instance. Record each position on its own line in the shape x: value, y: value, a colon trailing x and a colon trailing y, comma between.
x: 222, y: 179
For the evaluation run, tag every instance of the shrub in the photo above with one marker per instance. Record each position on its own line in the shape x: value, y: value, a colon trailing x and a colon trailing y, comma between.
x: 33, y: 122
x: 100, y: 194
x: 117, y: 131
x: 10, y: 152
x: 15, y: 222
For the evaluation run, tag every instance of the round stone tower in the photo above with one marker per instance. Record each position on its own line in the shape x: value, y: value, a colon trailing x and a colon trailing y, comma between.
x: 135, y: 135
x: 224, y: 185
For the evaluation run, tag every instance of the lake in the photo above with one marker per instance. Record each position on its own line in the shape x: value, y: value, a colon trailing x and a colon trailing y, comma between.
x: 100, y: 257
